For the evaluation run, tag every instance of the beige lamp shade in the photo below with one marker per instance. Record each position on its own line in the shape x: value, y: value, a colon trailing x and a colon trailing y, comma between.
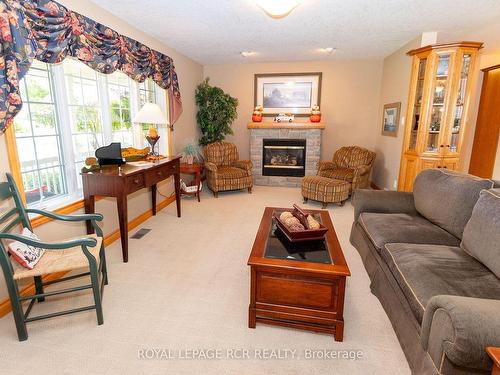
x: 150, y: 113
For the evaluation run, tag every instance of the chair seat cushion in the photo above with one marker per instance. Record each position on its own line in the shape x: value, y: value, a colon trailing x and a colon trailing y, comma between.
x: 424, y: 271
x: 389, y: 228
x: 345, y: 174
x: 229, y: 173
x: 58, y: 261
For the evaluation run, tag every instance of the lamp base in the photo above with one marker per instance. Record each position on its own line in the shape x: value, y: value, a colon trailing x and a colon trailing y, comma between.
x: 152, y: 142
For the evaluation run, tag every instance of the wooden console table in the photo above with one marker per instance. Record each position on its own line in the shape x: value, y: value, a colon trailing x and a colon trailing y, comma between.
x: 119, y: 182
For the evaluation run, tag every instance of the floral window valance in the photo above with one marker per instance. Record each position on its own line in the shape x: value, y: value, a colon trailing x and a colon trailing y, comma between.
x: 47, y: 31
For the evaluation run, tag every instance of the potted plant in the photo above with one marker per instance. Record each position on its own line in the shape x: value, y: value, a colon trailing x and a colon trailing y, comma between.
x: 191, y: 153
x: 216, y: 112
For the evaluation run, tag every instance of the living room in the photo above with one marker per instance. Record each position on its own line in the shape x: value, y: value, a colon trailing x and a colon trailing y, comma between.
x: 194, y: 242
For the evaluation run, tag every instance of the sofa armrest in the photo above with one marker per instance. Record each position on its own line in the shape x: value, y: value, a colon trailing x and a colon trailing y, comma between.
x: 325, y: 166
x: 243, y: 164
x: 212, y: 167
x: 461, y: 328
x: 381, y: 201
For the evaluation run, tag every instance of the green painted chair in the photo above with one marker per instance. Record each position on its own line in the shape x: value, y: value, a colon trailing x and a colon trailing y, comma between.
x: 85, y: 252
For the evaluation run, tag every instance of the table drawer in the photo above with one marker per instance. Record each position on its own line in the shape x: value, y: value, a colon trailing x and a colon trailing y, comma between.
x: 135, y: 183
x: 159, y: 174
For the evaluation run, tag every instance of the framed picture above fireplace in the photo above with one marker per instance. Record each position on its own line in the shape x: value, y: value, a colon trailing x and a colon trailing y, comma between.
x: 293, y: 93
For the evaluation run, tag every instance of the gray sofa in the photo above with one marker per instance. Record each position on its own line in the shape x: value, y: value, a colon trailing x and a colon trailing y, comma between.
x: 433, y: 257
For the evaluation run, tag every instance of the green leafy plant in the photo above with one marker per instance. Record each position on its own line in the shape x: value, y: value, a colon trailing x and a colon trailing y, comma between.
x: 216, y: 112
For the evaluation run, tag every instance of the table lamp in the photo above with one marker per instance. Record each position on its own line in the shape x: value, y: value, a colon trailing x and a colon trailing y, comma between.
x: 151, y: 113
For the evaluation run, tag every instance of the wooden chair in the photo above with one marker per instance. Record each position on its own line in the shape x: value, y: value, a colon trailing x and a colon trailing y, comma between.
x: 69, y: 255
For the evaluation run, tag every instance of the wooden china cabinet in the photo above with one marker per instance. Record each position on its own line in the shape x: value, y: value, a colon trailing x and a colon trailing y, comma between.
x: 441, y: 88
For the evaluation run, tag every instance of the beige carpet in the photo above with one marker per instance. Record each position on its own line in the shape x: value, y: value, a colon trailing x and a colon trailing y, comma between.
x: 186, y: 287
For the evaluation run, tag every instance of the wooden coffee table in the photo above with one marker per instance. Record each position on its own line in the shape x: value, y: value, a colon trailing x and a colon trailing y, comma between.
x: 297, y: 285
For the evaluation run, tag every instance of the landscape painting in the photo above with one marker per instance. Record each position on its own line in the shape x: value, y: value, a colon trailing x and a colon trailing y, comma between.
x: 293, y: 93
x: 287, y: 95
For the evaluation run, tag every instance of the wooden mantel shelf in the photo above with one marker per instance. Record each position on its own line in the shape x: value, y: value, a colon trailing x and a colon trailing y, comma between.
x: 286, y: 125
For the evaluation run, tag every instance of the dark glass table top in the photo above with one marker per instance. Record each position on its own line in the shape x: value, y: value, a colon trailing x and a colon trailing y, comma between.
x: 279, y: 247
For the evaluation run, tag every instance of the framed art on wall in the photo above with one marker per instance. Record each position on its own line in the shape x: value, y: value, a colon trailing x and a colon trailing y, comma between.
x: 294, y: 93
x: 390, y: 121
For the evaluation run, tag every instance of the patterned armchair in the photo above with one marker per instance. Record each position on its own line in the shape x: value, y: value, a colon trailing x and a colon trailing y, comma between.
x: 352, y: 164
x: 224, y: 170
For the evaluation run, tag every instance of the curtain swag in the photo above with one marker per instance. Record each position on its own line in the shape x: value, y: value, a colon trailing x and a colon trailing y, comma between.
x: 47, y: 31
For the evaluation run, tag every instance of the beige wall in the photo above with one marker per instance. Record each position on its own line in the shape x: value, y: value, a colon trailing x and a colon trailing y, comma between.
x: 190, y: 75
x: 349, y: 98
x: 394, y: 88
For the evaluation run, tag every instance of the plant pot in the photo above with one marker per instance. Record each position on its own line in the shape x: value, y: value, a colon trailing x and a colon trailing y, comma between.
x: 256, y: 118
x: 315, y: 118
x: 190, y: 159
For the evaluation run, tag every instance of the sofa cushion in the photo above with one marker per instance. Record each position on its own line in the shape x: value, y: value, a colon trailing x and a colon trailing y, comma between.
x: 481, y: 237
x: 424, y: 271
x: 447, y: 198
x: 389, y: 228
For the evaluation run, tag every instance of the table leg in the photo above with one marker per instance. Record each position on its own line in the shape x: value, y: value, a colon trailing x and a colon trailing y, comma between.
x: 153, y: 196
x: 198, y: 180
x: 121, y: 201
x: 89, y: 203
x: 177, y: 180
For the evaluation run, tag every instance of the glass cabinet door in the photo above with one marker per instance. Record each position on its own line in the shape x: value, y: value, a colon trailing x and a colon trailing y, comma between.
x: 458, y: 118
x: 438, y: 105
x: 417, y: 106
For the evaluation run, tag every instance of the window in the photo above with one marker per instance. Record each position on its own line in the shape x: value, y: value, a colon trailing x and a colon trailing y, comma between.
x: 39, y: 139
x: 70, y: 110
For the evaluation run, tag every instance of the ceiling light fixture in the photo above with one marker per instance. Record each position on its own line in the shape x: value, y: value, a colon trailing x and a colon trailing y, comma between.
x: 247, y: 53
x: 278, y: 8
x: 328, y: 50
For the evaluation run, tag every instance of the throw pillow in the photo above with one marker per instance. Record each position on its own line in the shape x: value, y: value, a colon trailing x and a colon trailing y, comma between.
x: 482, y: 233
x: 27, y: 256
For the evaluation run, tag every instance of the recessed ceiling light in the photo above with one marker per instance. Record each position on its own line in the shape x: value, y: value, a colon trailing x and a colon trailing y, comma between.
x: 278, y: 8
x: 247, y: 53
x: 328, y: 50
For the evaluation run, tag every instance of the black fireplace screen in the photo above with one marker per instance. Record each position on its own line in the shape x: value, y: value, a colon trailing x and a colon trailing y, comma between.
x: 284, y: 157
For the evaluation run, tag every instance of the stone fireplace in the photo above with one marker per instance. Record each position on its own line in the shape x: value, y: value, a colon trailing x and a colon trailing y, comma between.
x: 283, y: 153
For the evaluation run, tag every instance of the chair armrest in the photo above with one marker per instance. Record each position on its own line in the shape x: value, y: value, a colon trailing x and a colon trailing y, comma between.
x: 326, y: 166
x: 362, y: 170
x: 84, y: 241
x: 212, y: 167
x: 461, y: 328
x: 81, y: 217
x: 382, y: 201
x: 243, y: 164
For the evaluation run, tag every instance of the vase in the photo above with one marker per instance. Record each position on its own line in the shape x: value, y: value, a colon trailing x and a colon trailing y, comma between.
x: 190, y: 159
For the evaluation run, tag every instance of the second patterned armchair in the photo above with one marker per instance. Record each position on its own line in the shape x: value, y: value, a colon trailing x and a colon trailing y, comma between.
x: 224, y: 169
x: 352, y: 164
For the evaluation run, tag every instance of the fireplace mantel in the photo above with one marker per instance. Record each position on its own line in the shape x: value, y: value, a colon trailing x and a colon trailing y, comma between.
x: 286, y: 125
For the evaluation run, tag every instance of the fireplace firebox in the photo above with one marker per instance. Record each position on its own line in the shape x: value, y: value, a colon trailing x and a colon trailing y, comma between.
x: 284, y: 157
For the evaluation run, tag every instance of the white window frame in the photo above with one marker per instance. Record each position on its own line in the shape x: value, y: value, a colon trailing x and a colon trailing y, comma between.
x: 58, y: 86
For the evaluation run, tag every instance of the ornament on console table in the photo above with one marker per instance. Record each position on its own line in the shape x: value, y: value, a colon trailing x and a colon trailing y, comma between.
x: 315, y: 114
x: 257, y: 114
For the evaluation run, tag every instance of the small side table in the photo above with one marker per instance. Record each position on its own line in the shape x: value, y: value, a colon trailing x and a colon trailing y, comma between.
x: 494, y: 354
x: 195, y: 169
